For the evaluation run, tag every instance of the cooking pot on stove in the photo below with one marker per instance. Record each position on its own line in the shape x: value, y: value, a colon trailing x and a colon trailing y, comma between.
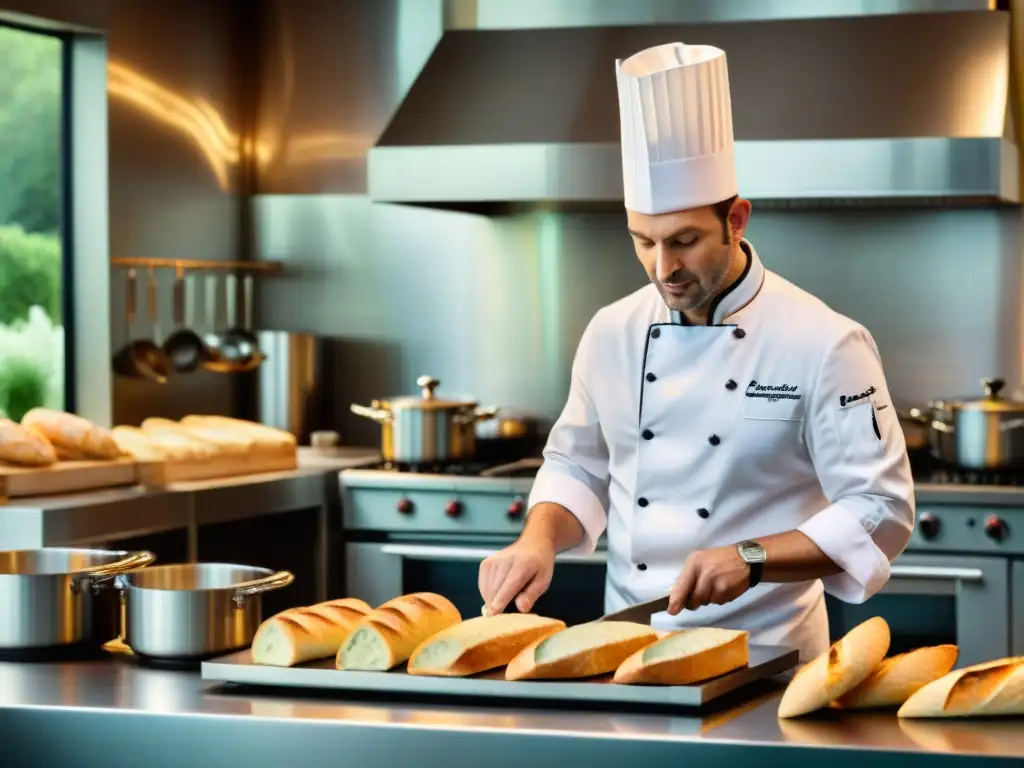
x: 426, y: 429
x: 983, y: 433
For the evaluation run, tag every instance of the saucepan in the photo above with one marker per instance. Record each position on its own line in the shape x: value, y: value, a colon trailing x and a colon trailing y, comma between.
x: 426, y: 429
x: 978, y: 433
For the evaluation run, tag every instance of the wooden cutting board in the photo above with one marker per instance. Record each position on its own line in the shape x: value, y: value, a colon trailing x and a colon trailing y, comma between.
x: 161, y: 473
x: 65, y: 477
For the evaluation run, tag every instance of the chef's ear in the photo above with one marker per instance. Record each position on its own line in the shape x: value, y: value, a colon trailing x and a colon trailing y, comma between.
x: 739, y: 215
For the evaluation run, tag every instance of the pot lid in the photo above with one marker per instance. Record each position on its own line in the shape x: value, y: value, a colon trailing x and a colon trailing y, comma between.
x: 991, y: 401
x: 428, y: 399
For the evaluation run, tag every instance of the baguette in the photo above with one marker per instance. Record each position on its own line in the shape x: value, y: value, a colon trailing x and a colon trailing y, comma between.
x: 480, y: 644
x: 269, y: 438
x: 72, y: 433
x: 23, y: 446
x: 139, y: 445
x: 183, y: 447
x: 386, y: 637
x: 989, y: 689
x: 835, y: 672
x: 687, y: 656
x: 897, y: 678
x: 298, y: 635
x: 226, y: 443
x: 585, y: 650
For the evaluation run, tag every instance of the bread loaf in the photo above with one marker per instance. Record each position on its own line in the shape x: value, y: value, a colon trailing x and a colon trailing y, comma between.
x: 24, y: 447
x: 989, y: 689
x: 264, y: 437
x: 387, y: 636
x: 226, y: 443
x: 687, y: 656
x: 72, y: 433
x: 180, y: 446
x: 298, y: 635
x: 835, y: 672
x: 480, y: 644
x: 585, y: 650
x: 136, y: 443
x: 896, y: 678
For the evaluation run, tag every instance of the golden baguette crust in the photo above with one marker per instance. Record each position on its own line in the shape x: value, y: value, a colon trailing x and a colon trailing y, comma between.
x: 898, y: 677
x: 302, y: 634
x: 725, y: 650
x: 72, y: 433
x: 396, y: 628
x: 265, y: 437
x: 596, y: 652
x: 141, y: 446
x: 993, y: 688
x: 480, y: 644
x: 184, y: 447
x: 835, y: 672
x: 25, y: 446
x: 226, y: 443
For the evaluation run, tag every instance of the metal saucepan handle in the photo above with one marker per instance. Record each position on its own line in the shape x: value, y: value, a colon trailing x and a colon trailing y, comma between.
x: 102, y: 574
x: 461, y: 554
x: 943, y: 427
x: 475, y: 415
x: 373, y: 414
x: 936, y: 573
x: 258, y: 586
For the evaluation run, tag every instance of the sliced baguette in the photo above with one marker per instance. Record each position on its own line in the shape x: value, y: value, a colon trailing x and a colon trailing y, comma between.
x: 897, y: 678
x: 73, y: 434
x: 835, y: 672
x: 25, y: 446
x: 183, y: 447
x: 585, y: 650
x: 687, y: 656
x: 386, y: 637
x: 142, y: 447
x: 298, y: 635
x: 264, y: 437
x: 227, y: 443
x: 989, y: 689
x: 480, y: 644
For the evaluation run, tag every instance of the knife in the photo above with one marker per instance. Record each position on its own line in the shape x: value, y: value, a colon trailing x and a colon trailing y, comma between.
x: 640, y: 613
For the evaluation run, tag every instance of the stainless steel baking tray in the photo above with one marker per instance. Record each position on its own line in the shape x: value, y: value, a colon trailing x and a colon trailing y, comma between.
x: 765, y: 661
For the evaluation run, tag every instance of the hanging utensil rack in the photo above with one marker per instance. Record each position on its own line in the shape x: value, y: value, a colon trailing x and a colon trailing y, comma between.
x: 260, y: 267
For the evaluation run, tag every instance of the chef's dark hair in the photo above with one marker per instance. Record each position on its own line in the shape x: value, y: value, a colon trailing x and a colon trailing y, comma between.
x: 722, y: 212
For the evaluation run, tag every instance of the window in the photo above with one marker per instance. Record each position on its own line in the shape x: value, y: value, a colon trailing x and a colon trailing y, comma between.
x: 33, y: 353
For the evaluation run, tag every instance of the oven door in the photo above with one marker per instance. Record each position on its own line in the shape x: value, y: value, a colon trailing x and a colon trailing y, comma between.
x: 1017, y: 600
x: 378, y: 572
x: 932, y: 600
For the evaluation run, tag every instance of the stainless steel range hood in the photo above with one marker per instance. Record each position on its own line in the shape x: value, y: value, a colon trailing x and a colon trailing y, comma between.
x: 889, y: 109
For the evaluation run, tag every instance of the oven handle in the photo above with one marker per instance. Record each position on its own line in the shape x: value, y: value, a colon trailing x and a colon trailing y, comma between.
x: 936, y: 573
x: 428, y: 552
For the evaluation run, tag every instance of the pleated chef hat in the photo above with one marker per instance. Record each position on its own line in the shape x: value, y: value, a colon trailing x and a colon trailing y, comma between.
x: 676, y: 119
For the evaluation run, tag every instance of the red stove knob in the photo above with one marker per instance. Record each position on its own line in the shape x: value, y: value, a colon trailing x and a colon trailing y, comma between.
x: 929, y: 525
x: 405, y: 506
x: 516, y: 508
x: 995, y: 528
x: 454, y: 509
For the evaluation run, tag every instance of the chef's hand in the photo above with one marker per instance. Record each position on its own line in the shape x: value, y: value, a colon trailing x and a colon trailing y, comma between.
x: 521, y: 571
x: 709, y: 576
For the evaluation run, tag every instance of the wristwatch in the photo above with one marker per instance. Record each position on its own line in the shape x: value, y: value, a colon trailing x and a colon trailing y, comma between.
x: 753, y: 555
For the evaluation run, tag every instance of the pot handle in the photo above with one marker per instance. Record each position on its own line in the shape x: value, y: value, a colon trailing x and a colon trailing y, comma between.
x: 373, y: 414
x: 266, y: 584
x: 477, y: 414
x: 101, y: 575
x: 943, y: 427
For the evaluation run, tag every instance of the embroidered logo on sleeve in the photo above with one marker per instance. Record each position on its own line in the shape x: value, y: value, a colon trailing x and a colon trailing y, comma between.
x: 845, y: 400
x: 773, y: 392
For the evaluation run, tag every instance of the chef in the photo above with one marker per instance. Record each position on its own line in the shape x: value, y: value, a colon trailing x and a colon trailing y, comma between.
x: 732, y: 434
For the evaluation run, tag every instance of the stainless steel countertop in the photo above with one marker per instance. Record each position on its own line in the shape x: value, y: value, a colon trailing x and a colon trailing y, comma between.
x: 64, y: 698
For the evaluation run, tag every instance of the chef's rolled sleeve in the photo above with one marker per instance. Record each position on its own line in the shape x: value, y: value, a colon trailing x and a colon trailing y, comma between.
x: 575, y: 469
x: 860, y: 456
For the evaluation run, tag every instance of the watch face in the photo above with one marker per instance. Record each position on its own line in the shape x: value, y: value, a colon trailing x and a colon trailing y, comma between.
x: 752, y: 552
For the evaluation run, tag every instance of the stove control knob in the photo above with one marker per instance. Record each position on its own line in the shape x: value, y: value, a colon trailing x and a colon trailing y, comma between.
x: 929, y: 525
x: 516, y: 508
x: 405, y: 506
x: 453, y: 509
x: 995, y: 528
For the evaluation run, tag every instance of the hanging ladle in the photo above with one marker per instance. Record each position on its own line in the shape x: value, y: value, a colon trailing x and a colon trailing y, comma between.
x: 236, y: 349
x: 141, y: 358
x: 184, y: 347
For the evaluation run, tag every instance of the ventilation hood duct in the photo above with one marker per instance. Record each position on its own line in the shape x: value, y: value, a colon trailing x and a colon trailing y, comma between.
x: 897, y: 110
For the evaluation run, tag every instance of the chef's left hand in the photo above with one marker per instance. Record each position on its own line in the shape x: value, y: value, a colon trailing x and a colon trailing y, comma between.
x: 709, y: 576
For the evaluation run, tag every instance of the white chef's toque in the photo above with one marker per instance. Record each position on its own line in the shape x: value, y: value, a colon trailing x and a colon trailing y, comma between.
x: 676, y: 121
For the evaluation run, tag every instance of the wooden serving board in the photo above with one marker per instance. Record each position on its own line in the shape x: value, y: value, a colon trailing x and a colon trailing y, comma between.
x: 161, y: 473
x: 65, y: 477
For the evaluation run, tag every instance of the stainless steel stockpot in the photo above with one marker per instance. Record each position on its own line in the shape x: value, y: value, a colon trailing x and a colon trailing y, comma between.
x: 194, y: 610
x: 985, y: 433
x: 55, y: 597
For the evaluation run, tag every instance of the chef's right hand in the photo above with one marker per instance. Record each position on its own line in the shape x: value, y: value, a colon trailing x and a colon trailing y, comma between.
x: 521, y: 571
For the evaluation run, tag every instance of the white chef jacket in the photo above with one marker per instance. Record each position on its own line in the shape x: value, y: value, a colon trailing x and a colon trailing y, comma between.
x: 772, y: 417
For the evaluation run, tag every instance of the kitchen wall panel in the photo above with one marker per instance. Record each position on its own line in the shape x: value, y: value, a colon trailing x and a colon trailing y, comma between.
x: 175, y: 86
x: 494, y: 305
